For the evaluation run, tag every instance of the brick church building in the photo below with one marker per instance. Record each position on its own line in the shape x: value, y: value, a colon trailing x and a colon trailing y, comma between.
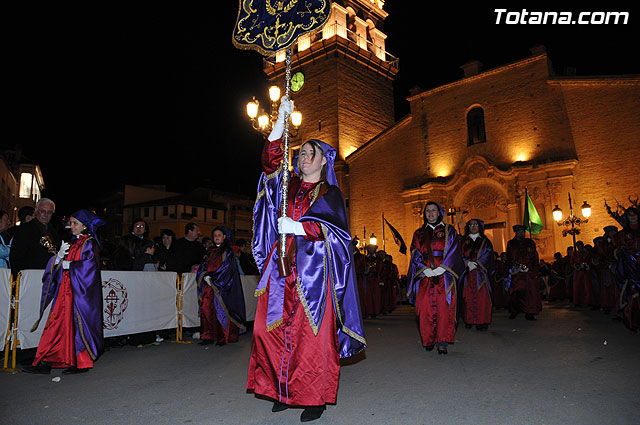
x: 473, y: 145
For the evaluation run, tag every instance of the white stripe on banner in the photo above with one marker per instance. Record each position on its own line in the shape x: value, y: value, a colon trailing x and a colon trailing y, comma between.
x: 5, y: 303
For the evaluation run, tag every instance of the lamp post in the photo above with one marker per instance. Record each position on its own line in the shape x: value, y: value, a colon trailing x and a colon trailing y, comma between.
x: 263, y: 121
x: 572, y: 223
x: 372, y: 246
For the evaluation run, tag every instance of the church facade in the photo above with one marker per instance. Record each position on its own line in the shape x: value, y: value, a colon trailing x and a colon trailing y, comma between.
x: 475, y: 145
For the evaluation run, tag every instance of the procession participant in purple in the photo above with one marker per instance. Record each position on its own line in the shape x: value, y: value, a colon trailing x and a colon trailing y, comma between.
x: 359, y: 261
x: 499, y: 288
x: 477, y: 252
x: 220, y: 297
x: 628, y: 268
x: 603, y: 271
x: 522, y: 263
x: 557, y: 290
x: 609, y: 291
x: 582, y: 286
x: 72, y: 284
x: 436, y: 264
x: 569, y: 273
x: 392, y: 280
x: 373, y: 300
x: 305, y: 322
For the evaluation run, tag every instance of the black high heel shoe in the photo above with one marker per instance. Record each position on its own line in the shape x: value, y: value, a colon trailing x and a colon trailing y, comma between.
x: 442, y: 350
x: 311, y: 413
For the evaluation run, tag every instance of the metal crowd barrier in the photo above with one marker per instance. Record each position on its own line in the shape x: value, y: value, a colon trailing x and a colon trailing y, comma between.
x: 133, y: 302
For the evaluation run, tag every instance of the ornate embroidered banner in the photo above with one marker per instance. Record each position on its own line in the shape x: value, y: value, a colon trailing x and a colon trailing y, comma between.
x: 269, y: 26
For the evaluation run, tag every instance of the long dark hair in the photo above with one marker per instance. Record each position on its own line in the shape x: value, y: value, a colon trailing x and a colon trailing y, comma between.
x: 316, y: 148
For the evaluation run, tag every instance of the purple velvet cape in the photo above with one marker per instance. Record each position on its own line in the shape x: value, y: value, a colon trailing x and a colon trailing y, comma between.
x: 86, y: 286
x: 318, y: 262
x: 228, y: 294
x: 451, y: 261
x: 627, y: 275
x: 485, y: 267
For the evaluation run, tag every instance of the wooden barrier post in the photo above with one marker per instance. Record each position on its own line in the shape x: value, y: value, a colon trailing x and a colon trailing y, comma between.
x: 179, y: 307
x: 11, y: 340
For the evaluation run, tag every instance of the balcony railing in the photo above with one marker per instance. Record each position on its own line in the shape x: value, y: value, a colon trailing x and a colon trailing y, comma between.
x: 330, y: 30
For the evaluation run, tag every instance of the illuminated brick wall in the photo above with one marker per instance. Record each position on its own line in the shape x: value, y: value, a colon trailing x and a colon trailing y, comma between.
x: 604, y: 117
x: 529, y: 116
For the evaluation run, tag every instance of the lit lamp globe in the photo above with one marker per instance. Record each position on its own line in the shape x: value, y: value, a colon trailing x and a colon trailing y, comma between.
x: 252, y: 109
x: 296, y: 118
x: 557, y: 213
x: 274, y: 93
x: 586, y: 210
x: 263, y: 121
x: 373, y: 240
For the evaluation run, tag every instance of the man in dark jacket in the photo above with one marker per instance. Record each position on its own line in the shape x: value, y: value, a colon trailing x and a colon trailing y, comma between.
x: 36, y: 241
x: 188, y: 251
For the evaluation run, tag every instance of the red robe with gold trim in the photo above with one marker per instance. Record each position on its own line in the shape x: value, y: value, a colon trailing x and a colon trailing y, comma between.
x: 289, y: 363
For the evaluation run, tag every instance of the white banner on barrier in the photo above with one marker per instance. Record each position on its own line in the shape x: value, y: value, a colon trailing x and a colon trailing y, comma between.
x: 29, y: 308
x: 135, y: 302
x: 190, y: 316
x: 5, y: 303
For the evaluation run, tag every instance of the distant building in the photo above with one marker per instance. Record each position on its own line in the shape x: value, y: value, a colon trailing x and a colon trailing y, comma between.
x: 169, y: 210
x: 21, y: 182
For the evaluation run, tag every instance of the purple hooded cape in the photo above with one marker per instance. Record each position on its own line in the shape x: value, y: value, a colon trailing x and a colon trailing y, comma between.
x: 86, y: 286
x: 627, y: 276
x: 227, y: 288
x: 485, y: 262
x: 451, y: 261
x: 318, y: 262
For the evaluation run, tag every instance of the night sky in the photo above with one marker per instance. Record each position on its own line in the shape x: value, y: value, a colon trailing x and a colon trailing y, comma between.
x: 103, y: 97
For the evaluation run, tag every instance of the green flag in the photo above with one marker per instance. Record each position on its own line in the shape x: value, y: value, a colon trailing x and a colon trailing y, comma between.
x: 532, y: 221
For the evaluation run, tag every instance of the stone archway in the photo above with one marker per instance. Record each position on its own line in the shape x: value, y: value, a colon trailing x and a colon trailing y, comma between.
x: 486, y: 199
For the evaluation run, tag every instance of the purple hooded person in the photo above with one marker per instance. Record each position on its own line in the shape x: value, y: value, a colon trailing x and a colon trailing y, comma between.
x: 72, y: 284
x: 436, y: 264
x: 475, y: 282
x: 306, y: 321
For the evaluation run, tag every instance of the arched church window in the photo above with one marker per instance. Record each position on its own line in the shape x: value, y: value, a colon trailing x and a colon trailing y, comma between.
x: 475, y: 126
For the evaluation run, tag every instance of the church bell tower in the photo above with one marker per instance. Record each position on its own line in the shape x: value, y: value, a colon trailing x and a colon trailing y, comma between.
x: 341, y: 80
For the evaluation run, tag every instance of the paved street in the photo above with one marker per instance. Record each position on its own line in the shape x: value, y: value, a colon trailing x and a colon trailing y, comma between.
x: 572, y: 366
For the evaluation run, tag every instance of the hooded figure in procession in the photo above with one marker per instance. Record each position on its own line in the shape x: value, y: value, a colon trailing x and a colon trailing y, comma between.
x: 435, y: 267
x: 220, y: 297
x: 477, y: 251
x: 305, y: 322
x: 72, y: 285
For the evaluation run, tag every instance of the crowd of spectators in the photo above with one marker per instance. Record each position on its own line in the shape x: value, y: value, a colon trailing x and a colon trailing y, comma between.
x: 30, y: 244
x: 136, y: 251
